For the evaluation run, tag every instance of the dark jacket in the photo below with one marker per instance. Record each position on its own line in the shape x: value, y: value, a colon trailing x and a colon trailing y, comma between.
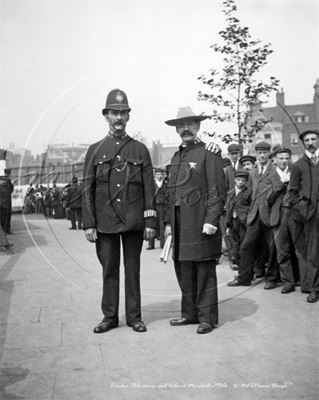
x: 74, y: 196
x: 304, y: 189
x: 6, y: 189
x: 276, y: 196
x: 118, y: 186
x: 230, y: 176
x: 240, y: 204
x: 260, y: 186
x: 196, y: 184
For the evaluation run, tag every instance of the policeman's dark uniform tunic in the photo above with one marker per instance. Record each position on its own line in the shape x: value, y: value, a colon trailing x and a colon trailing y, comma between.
x: 118, y: 200
x: 196, y: 195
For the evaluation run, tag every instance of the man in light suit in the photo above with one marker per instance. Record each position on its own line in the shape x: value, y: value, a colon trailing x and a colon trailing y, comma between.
x: 304, y: 190
x: 257, y: 222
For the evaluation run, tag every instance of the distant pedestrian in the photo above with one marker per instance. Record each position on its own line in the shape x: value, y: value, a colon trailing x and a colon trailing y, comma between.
x: 74, y: 202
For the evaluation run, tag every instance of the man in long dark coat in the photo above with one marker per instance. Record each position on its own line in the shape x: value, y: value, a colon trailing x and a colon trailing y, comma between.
x: 118, y: 205
x: 196, y: 198
x: 74, y: 201
x: 304, y: 190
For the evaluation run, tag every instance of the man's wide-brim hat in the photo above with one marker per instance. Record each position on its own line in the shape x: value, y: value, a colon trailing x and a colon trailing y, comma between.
x: 185, y: 114
x: 116, y: 100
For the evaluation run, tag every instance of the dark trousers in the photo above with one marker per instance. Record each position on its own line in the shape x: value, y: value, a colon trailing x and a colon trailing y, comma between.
x: 5, y: 216
x: 256, y: 233
x: 76, y: 215
x: 312, y: 240
x: 290, y: 248
x: 108, y: 252
x: 198, y: 283
x: 237, y: 231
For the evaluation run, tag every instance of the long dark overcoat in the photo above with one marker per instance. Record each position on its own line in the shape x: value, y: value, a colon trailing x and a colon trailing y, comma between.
x: 196, y: 177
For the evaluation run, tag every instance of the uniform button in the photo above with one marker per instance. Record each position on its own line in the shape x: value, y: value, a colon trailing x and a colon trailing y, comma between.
x: 118, y: 157
x: 117, y: 142
x: 118, y: 185
x: 104, y: 156
x: 118, y: 200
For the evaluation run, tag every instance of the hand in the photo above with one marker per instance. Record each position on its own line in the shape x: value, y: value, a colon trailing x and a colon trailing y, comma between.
x: 227, y: 231
x: 149, y: 233
x: 167, y: 231
x: 90, y: 234
x: 209, y: 229
x: 213, y: 147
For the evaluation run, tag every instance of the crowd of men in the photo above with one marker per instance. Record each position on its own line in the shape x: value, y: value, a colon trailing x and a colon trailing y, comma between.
x: 272, y: 216
x: 56, y: 202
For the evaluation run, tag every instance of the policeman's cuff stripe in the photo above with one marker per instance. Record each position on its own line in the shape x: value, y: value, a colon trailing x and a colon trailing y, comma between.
x: 150, y: 213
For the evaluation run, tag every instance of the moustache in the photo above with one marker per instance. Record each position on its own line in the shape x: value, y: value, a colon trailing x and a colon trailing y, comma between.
x: 311, y: 147
x: 186, y: 132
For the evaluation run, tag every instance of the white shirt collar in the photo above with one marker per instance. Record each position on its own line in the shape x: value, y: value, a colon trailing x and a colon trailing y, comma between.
x: 311, y: 155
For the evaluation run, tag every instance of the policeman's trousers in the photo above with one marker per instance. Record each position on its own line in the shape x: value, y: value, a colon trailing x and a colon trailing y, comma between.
x: 108, y: 252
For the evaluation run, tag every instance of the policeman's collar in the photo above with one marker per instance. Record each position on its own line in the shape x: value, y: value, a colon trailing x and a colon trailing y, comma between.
x: 122, y: 136
x: 190, y: 144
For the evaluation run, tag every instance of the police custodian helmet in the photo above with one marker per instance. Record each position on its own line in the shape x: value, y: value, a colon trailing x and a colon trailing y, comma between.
x: 116, y: 100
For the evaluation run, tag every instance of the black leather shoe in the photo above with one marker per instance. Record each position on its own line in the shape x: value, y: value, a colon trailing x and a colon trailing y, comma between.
x: 204, y: 327
x: 305, y: 291
x: 150, y: 248
x: 269, y: 285
x: 236, y: 282
x: 260, y: 274
x: 138, y: 326
x: 105, y: 326
x: 287, y: 289
x: 313, y: 296
x: 182, y: 321
x: 72, y: 229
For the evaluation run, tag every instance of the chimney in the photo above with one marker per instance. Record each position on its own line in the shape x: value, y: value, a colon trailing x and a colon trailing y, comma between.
x: 280, y: 97
x: 316, y: 99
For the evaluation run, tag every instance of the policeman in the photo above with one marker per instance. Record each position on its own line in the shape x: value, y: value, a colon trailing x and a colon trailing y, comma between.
x: 196, y: 197
x: 118, y: 205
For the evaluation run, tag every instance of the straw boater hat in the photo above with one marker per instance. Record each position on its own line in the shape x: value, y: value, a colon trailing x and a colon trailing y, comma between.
x: 185, y: 114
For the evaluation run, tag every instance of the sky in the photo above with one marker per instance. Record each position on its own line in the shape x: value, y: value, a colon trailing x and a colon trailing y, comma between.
x: 59, y: 60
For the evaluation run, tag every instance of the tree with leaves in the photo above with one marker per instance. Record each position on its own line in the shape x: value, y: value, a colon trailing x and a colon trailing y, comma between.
x: 236, y: 93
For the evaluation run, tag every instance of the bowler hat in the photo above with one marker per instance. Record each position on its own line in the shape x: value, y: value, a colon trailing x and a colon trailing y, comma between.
x: 116, y: 100
x: 74, y: 179
x: 234, y: 148
x: 185, y: 114
x: 262, y: 146
x: 304, y: 133
x: 247, y: 157
x: 242, y: 173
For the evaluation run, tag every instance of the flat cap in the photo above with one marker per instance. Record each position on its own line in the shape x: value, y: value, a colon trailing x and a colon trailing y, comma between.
x: 304, y: 133
x: 262, y: 146
x: 247, y: 157
x: 234, y: 148
x: 242, y: 173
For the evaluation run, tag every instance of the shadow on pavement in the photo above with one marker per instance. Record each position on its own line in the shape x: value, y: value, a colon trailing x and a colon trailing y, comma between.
x: 21, y: 241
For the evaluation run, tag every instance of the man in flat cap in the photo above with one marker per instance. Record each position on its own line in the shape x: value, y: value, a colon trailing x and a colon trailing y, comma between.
x: 234, y: 153
x: 160, y: 195
x: 247, y: 162
x: 237, y: 207
x: 196, y: 197
x: 258, y: 229
x: 285, y: 231
x: 118, y: 205
x: 304, y: 190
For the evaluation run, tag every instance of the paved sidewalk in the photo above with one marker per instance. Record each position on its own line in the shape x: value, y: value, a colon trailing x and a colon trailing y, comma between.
x: 265, y: 347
